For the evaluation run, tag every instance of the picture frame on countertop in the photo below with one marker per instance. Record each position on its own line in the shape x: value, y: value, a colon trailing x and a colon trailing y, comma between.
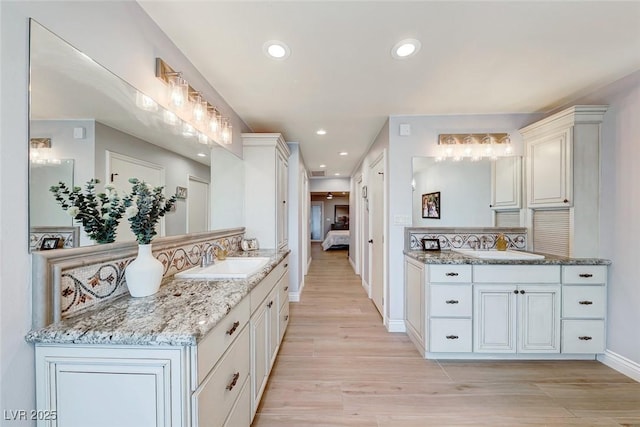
x: 431, y: 244
x: 49, y: 243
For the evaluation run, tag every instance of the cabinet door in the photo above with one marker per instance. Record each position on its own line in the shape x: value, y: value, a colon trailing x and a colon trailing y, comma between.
x: 539, y: 319
x: 274, y: 324
x: 549, y: 170
x: 494, y: 318
x: 260, y: 359
x: 414, y: 294
x: 506, y: 182
x: 282, y: 184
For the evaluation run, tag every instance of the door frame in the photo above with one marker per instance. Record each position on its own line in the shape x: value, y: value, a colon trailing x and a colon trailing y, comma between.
x: 202, y: 181
x: 358, y: 238
x: 385, y: 306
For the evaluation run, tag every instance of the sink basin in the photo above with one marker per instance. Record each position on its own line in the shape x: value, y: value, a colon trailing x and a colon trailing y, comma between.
x: 495, y: 254
x: 230, y: 268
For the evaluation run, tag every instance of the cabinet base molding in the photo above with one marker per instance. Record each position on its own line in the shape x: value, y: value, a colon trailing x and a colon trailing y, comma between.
x: 621, y: 364
x: 396, y: 325
x: 502, y: 356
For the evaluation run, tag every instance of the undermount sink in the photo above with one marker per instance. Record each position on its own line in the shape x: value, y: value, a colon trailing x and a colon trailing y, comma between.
x: 495, y: 254
x: 230, y: 268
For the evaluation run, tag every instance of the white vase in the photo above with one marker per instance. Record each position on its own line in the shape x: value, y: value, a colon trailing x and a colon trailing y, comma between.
x: 144, y: 273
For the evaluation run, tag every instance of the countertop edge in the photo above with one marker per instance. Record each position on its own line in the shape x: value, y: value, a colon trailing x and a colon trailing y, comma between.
x: 452, y: 257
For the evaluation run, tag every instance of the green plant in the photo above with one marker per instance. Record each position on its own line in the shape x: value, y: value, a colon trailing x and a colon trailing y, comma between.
x: 144, y: 207
x: 99, y: 213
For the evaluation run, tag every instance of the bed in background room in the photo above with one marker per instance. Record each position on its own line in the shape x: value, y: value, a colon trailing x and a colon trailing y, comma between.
x: 336, y: 239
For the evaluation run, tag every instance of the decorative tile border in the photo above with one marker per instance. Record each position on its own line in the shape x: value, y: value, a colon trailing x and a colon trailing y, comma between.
x: 464, y: 238
x: 69, y: 235
x: 68, y: 282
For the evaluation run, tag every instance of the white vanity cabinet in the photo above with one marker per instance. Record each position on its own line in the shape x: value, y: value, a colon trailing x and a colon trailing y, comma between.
x: 506, y: 183
x: 266, y: 327
x: 505, y: 310
x: 266, y: 165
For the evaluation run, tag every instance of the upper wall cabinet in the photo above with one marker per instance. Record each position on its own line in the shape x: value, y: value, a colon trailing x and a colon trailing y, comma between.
x: 549, y: 170
x: 266, y: 159
x: 506, y: 182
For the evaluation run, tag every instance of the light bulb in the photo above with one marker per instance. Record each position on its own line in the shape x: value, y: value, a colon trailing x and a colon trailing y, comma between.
x: 178, y: 92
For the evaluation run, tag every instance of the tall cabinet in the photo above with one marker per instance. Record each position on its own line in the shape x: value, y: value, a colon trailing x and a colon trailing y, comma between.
x: 266, y: 158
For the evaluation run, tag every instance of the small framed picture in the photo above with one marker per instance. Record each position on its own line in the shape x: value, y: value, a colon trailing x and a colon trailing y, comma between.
x: 49, y: 243
x: 431, y: 244
x: 431, y: 205
x: 181, y: 192
x: 250, y: 244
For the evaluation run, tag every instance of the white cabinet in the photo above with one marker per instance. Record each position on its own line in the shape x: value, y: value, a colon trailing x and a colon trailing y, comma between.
x: 549, y: 170
x: 506, y: 183
x: 266, y: 157
x: 414, y: 301
x: 267, y: 328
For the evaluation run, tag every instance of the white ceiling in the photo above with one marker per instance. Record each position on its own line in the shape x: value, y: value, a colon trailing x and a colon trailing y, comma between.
x: 476, y: 57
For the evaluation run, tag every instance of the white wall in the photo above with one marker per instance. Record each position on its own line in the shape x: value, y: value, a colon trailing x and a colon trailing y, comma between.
x: 227, y: 189
x: 318, y: 185
x: 118, y: 35
x: 296, y: 199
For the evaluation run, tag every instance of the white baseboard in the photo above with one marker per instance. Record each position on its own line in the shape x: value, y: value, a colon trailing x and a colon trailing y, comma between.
x: 353, y: 265
x: 396, y: 325
x: 309, y: 263
x: 621, y: 364
x: 294, y: 296
x: 365, y: 285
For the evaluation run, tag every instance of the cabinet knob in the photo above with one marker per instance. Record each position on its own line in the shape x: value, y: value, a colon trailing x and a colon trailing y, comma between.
x: 286, y: 265
x: 452, y: 337
x: 515, y: 292
x: 370, y: 240
x: 565, y: 201
x: 451, y: 301
x: 270, y: 304
x: 451, y: 274
x: 286, y: 288
x: 522, y: 292
x: 233, y: 328
x: 286, y: 317
x: 234, y: 381
x: 584, y: 338
x: 585, y: 275
x: 585, y: 302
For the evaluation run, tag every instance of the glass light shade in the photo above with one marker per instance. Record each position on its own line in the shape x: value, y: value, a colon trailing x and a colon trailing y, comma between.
x: 199, y: 111
x: 202, y: 138
x: 170, y: 118
x: 214, y: 122
x: 178, y: 92
x: 145, y: 102
x: 188, y: 130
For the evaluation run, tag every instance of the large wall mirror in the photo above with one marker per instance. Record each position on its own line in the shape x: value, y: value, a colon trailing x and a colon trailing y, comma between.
x: 464, y: 189
x: 99, y: 126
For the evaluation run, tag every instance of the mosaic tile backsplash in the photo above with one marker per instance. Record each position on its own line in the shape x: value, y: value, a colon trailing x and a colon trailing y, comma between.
x: 465, y: 238
x: 85, y: 286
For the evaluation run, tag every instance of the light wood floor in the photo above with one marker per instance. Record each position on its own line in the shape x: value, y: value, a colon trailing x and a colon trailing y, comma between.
x: 338, y: 366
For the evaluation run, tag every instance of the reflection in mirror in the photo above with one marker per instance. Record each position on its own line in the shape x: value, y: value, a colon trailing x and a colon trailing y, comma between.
x: 94, y: 120
x: 465, y: 192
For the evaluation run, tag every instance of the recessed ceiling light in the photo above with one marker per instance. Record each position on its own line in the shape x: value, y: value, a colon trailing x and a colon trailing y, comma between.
x: 201, y: 155
x: 337, y: 174
x: 276, y: 49
x: 323, y: 166
x: 406, y: 48
x: 343, y: 153
x: 321, y: 132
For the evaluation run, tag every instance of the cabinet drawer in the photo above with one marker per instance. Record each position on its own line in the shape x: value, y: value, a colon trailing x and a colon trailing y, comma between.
x: 582, y: 336
x: 584, y: 301
x: 516, y: 274
x: 450, y: 273
x: 241, y: 412
x: 216, y: 342
x: 284, y: 319
x: 450, y: 300
x: 584, y: 274
x: 284, y: 290
x: 450, y: 335
x: 260, y: 292
x: 216, y: 396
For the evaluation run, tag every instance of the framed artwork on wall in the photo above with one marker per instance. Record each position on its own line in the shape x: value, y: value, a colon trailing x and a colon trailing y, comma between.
x: 431, y: 205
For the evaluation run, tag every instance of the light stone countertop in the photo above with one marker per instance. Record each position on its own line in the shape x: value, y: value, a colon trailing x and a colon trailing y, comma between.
x: 452, y: 257
x: 181, y: 313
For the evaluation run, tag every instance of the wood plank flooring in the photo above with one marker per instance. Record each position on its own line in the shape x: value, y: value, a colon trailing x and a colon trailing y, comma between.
x: 338, y: 366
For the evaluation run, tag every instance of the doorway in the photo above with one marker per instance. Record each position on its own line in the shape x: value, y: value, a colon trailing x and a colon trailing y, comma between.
x: 317, y: 209
x: 376, y: 241
x: 197, y: 205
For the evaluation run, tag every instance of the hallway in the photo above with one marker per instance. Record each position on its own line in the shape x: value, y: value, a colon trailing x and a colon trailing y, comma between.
x: 338, y: 366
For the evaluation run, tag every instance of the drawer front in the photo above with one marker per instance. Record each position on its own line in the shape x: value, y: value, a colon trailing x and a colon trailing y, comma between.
x: 579, y: 274
x: 450, y: 300
x: 241, y: 412
x: 584, y: 301
x: 215, y: 398
x: 216, y: 342
x: 516, y: 274
x: 260, y: 292
x: 284, y: 290
x: 284, y: 319
x: 582, y: 336
x: 450, y: 335
x: 450, y: 273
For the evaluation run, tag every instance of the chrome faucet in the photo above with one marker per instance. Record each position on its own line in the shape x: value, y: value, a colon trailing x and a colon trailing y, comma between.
x: 209, y: 256
x: 484, y: 243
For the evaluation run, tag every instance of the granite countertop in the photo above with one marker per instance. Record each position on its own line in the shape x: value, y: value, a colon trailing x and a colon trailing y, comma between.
x: 452, y: 257
x: 181, y: 313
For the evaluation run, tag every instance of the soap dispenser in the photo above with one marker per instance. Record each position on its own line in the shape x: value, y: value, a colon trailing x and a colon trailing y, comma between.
x: 501, y: 242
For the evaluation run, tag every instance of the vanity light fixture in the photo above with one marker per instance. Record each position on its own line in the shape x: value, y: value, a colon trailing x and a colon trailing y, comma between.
x: 190, y: 106
x: 474, y: 146
x: 406, y: 48
x: 40, y: 152
x: 276, y: 49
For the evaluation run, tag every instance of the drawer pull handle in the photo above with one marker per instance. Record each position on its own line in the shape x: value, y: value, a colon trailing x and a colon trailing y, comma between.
x: 585, y: 302
x: 452, y: 301
x: 286, y: 317
x: 233, y: 328
x: 286, y: 288
x: 451, y: 274
x: 270, y: 304
x: 584, y: 338
x: 522, y: 292
x: 234, y: 381
x: 452, y: 337
x: 515, y: 292
x: 286, y: 265
x: 585, y: 275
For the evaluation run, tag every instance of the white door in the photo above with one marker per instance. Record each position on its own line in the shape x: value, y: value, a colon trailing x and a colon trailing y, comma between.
x: 316, y: 221
x: 197, y: 205
x: 376, y: 242
x: 539, y: 319
x: 494, y: 318
x: 119, y: 169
